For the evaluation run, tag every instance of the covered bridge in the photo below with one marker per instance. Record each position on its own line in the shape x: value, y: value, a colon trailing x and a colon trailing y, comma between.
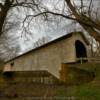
x: 51, y: 55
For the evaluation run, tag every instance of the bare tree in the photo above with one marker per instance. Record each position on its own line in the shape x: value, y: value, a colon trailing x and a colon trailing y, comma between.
x: 76, y: 10
x: 42, y: 41
x: 10, y: 22
x: 9, y: 51
x: 7, y: 8
x: 81, y: 11
x: 86, y: 19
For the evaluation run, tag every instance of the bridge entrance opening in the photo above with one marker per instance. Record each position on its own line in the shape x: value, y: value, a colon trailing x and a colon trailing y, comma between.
x: 80, y: 51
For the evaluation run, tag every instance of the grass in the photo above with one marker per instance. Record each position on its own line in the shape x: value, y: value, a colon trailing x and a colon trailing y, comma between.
x: 86, y: 91
x: 82, y: 92
x: 89, y: 92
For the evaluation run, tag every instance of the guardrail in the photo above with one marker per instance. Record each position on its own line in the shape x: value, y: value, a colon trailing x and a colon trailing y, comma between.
x: 89, y: 59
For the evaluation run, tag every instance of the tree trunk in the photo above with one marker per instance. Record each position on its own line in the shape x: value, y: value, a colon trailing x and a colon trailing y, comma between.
x: 87, y: 23
x: 3, y: 14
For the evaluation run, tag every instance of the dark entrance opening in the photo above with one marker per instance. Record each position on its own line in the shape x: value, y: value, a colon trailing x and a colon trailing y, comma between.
x: 80, y: 51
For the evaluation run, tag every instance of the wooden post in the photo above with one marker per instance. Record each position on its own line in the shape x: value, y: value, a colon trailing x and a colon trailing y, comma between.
x: 81, y: 60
